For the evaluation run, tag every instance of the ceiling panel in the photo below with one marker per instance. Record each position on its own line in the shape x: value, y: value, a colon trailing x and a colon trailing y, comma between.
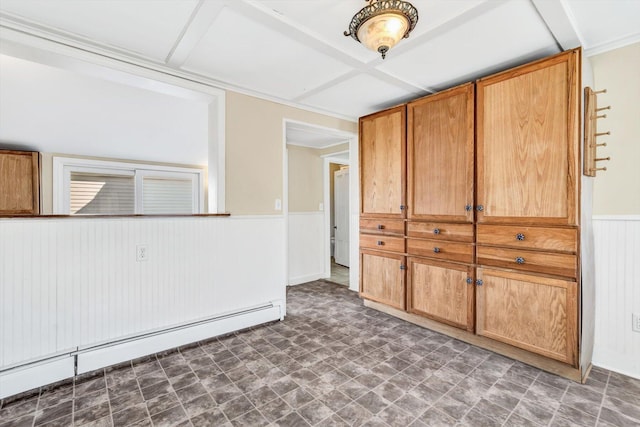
x: 501, y: 37
x: 308, y: 136
x: 602, y: 22
x: 260, y: 58
x: 149, y: 28
x: 357, y: 96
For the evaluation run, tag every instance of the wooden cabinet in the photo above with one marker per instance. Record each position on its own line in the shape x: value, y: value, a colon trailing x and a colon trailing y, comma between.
x: 19, y: 183
x: 383, y: 163
x: 440, y: 156
x: 536, y: 313
x: 528, y: 143
x: 382, y: 276
x: 504, y: 267
x: 441, y: 291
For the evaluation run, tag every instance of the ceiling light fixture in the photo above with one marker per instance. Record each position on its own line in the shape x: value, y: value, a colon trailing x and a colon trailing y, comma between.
x: 382, y: 24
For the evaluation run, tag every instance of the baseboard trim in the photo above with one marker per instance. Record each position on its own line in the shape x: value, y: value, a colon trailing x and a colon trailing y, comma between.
x: 306, y: 278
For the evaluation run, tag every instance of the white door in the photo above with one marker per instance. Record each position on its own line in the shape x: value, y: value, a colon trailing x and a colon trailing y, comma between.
x: 341, y: 211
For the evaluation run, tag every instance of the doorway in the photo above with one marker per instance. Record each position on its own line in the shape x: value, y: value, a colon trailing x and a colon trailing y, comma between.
x: 309, y: 206
x: 340, y: 229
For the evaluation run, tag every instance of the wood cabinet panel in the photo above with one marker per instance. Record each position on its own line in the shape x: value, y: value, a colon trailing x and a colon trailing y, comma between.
x: 441, y: 231
x: 383, y: 163
x: 531, y: 312
x: 557, y: 264
x: 19, y: 183
x: 527, y: 143
x: 545, y: 238
x: 439, y: 249
x: 382, y: 243
x: 382, y: 278
x: 440, y: 155
x: 382, y: 226
x: 441, y: 291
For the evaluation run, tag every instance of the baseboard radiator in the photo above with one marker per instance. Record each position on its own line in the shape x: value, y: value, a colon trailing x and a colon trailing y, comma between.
x: 22, y: 378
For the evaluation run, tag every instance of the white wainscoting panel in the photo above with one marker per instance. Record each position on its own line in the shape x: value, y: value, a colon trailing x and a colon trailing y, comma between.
x: 70, y: 283
x: 306, y: 247
x: 617, y: 258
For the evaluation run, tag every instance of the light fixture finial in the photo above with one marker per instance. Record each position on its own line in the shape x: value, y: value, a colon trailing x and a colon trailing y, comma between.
x: 382, y: 24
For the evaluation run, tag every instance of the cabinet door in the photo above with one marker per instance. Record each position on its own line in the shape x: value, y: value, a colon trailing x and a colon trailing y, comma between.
x: 528, y: 143
x: 19, y: 183
x: 535, y: 313
x: 382, y: 278
x: 441, y: 291
x: 440, y: 156
x: 383, y: 163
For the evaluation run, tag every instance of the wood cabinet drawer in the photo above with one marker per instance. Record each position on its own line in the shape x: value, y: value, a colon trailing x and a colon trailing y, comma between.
x: 382, y: 243
x: 552, y: 239
x: 382, y: 226
x: 441, y: 231
x: 439, y: 249
x: 557, y: 264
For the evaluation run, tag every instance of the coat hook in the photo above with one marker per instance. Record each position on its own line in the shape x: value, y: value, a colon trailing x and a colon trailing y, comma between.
x: 603, y: 133
x: 608, y: 107
x: 600, y: 91
x: 602, y: 116
x: 598, y: 169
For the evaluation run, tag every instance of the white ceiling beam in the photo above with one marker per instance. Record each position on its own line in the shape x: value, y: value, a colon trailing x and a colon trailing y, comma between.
x: 196, y: 27
x: 265, y: 16
x: 559, y: 20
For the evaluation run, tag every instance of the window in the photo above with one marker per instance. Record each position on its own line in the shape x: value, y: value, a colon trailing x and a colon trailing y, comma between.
x: 96, y: 187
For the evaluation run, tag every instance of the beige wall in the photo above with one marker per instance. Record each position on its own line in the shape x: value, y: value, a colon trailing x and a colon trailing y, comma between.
x: 254, y: 151
x: 305, y: 179
x: 617, y: 190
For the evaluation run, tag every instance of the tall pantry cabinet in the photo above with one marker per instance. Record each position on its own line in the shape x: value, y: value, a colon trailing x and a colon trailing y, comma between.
x: 382, y: 206
x: 487, y: 242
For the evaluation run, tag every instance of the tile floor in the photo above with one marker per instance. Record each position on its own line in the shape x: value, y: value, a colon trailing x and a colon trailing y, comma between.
x: 332, y: 362
x: 339, y: 274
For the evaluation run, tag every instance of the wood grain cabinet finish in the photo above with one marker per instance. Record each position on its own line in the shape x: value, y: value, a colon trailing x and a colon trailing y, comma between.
x: 440, y: 156
x: 382, y: 277
x: 441, y: 249
x: 383, y: 164
x: 441, y: 231
x: 527, y: 143
x: 382, y: 243
x: 527, y: 311
x: 557, y: 264
x: 543, y: 238
x: 441, y: 291
x: 382, y: 226
x: 19, y: 183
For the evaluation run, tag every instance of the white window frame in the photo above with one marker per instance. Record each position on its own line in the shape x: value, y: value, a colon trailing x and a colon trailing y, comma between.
x: 64, y: 166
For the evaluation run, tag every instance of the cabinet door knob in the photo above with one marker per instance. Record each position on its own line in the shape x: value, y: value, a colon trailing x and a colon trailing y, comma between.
x: 380, y: 243
x: 479, y: 208
x: 436, y: 231
x: 403, y: 267
x: 520, y: 260
x: 468, y: 208
x: 519, y: 236
x: 402, y: 207
x: 380, y: 227
x: 469, y: 280
x: 479, y: 282
x: 436, y: 250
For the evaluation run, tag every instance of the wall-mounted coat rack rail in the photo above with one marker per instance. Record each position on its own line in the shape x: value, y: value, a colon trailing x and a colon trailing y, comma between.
x: 591, y: 133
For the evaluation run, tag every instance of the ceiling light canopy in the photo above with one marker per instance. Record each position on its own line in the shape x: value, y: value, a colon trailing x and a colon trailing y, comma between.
x: 382, y: 24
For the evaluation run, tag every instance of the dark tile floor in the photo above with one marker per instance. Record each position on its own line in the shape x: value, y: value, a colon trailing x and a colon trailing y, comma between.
x: 332, y: 362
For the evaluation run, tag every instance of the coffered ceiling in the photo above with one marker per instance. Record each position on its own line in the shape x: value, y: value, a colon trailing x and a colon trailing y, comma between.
x: 293, y: 51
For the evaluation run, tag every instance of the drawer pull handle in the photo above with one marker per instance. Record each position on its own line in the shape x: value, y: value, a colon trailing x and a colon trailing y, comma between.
x: 469, y: 280
x: 520, y: 260
x: 380, y: 243
x: 380, y: 227
x: 436, y: 250
x: 436, y: 231
x: 520, y: 236
x: 479, y: 282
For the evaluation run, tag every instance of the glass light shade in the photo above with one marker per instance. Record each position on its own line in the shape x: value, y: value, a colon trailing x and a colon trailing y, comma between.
x: 381, y: 32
